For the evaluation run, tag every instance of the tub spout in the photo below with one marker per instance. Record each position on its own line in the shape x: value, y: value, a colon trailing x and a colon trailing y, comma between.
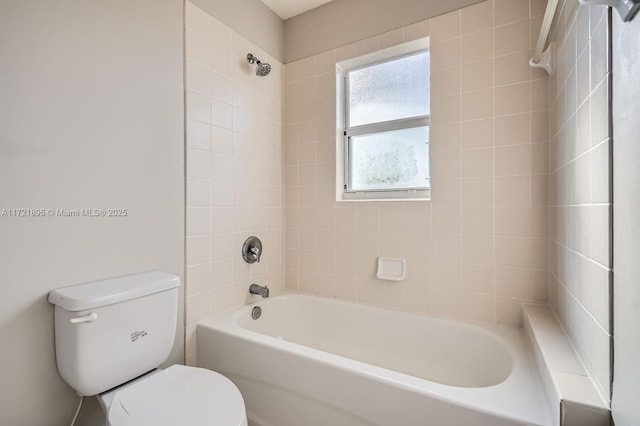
x: 258, y: 289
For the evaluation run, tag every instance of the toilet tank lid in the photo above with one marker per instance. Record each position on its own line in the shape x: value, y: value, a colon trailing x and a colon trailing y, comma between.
x: 114, y: 290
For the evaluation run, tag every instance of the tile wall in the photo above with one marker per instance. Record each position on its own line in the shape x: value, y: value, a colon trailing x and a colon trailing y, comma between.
x: 580, y: 195
x: 478, y: 249
x: 482, y: 245
x: 234, y: 170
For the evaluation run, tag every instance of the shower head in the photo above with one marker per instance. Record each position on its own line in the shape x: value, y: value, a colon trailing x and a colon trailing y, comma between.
x: 262, y: 68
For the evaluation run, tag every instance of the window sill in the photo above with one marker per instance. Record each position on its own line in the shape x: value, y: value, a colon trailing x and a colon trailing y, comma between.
x: 423, y: 195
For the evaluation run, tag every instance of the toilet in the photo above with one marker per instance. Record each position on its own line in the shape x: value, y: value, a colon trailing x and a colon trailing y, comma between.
x: 112, y: 335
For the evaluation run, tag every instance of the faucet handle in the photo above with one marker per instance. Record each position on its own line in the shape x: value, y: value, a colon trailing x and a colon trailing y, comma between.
x: 252, y: 250
x: 255, y: 252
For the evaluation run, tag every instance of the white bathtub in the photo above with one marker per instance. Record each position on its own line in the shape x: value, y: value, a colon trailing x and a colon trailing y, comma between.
x: 311, y: 361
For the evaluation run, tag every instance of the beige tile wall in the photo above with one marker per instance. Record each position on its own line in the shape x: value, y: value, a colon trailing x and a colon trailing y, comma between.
x: 479, y: 247
x: 580, y: 184
x: 234, y: 170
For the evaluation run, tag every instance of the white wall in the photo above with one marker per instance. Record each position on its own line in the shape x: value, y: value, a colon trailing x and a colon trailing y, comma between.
x: 626, y: 237
x: 91, y: 116
x: 477, y: 249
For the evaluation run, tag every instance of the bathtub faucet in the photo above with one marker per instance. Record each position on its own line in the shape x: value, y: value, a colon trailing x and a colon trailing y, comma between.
x: 258, y: 289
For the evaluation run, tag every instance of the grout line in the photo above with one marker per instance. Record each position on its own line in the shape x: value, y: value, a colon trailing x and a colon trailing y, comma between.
x: 459, y: 150
x: 493, y: 201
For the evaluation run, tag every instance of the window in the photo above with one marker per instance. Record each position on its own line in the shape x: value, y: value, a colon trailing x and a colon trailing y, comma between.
x: 385, y: 144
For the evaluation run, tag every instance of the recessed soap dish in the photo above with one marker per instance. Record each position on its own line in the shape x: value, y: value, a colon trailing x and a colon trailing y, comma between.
x: 392, y: 269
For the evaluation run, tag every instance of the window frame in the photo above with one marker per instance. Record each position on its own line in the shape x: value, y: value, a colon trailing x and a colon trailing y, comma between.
x: 343, y: 193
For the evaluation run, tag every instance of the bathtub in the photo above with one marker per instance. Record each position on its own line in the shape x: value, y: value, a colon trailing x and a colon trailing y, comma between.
x: 313, y: 361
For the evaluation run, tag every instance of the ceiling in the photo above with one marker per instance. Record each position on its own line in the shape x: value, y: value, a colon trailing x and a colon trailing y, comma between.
x: 289, y: 8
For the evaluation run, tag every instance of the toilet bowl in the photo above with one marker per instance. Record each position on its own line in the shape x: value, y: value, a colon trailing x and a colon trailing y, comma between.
x: 178, y: 395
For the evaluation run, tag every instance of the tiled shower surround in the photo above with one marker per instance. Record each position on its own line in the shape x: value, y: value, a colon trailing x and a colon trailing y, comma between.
x: 478, y: 249
x: 580, y: 195
x: 234, y: 169
x: 513, y: 217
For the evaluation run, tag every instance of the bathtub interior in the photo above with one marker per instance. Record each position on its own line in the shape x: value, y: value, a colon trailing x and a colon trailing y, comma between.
x: 440, y: 351
x: 310, y: 354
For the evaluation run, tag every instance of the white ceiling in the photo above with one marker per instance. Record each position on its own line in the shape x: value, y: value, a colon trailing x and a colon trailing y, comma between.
x: 289, y: 8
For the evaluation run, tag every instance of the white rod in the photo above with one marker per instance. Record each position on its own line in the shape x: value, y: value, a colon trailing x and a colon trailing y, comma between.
x: 544, y: 29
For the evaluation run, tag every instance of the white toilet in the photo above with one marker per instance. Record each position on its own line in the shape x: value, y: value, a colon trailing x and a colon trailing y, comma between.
x: 112, y: 335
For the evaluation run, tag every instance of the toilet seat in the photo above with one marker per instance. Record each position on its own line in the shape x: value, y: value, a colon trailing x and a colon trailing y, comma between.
x: 179, y: 395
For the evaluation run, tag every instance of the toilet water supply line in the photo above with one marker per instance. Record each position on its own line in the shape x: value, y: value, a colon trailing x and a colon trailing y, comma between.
x: 75, y: 417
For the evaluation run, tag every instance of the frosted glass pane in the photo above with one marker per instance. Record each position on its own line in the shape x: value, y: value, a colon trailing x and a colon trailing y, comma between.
x: 390, y: 160
x: 390, y: 90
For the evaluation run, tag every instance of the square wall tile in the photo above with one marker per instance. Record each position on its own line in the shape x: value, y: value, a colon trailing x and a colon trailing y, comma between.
x: 477, y: 17
x: 445, y: 27
x: 513, y: 68
x: 477, y: 46
x: 508, y: 11
x: 477, y: 133
x: 477, y: 105
x: 512, y: 37
x: 513, y: 160
x: 476, y: 75
x: 513, y: 99
x: 445, y: 54
x: 478, y: 307
x: 513, y: 129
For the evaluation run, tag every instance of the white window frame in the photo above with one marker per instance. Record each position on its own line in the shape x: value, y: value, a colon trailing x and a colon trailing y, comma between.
x: 343, y: 134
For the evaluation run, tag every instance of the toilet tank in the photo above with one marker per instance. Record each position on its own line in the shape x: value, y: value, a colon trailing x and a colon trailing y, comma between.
x: 109, y: 332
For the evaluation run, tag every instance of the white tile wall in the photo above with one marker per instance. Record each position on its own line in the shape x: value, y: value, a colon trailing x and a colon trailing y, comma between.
x: 234, y: 169
x: 478, y: 248
x: 579, y: 181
